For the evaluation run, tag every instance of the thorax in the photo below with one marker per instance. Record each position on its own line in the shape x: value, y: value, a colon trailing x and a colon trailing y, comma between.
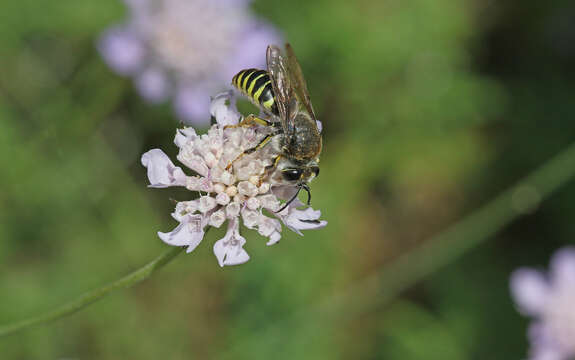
x: 305, y: 142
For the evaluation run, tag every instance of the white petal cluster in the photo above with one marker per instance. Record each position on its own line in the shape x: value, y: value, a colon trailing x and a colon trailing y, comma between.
x: 550, y: 300
x: 227, y: 194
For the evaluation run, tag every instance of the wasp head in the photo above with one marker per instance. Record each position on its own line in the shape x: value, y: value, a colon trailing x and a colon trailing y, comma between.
x: 298, y: 174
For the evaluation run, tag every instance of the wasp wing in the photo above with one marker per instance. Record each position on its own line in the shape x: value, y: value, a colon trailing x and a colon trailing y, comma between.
x: 298, y: 82
x: 283, y: 89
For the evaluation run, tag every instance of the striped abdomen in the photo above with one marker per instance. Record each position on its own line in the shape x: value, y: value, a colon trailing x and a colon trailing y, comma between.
x: 257, y: 86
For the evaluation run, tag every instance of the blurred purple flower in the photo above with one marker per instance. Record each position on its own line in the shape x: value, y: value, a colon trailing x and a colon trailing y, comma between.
x: 550, y: 300
x: 186, y: 50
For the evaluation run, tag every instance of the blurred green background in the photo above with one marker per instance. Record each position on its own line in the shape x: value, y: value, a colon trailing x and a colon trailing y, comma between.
x: 430, y: 109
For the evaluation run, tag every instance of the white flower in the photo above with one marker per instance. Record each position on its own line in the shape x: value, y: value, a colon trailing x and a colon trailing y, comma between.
x: 186, y: 49
x: 243, y: 192
x: 551, y: 301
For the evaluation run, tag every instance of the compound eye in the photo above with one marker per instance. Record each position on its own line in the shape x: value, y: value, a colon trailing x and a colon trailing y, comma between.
x: 291, y: 174
x: 315, y: 170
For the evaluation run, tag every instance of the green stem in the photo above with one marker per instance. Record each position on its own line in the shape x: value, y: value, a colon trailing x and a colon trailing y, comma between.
x: 92, y: 296
x: 388, y: 282
x: 475, y: 229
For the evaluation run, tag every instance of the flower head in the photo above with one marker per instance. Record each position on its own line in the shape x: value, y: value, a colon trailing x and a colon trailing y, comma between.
x: 550, y: 300
x: 240, y: 193
x: 185, y: 49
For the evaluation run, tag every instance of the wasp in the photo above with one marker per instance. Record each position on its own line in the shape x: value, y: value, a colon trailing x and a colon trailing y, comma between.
x: 281, y: 94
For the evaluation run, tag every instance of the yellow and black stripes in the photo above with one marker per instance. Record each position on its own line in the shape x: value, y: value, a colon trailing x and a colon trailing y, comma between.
x: 257, y: 86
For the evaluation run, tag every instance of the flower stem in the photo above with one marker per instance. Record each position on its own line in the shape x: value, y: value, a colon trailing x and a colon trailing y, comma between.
x: 92, y: 296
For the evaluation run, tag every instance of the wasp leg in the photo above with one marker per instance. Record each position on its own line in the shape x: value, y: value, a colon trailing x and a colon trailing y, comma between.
x: 251, y: 120
x: 260, y: 145
x: 270, y: 168
x: 290, y: 200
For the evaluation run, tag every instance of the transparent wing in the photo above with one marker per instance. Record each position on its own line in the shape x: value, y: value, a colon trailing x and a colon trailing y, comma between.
x: 298, y: 82
x: 283, y: 89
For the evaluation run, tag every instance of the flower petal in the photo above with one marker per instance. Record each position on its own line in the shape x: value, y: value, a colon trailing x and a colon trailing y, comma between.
x: 217, y: 218
x: 184, y: 208
x: 194, y: 162
x: 197, y: 183
x: 267, y: 226
x: 153, y: 85
x: 274, y: 238
x: 235, y: 256
x: 307, y: 219
x: 229, y: 250
x: 250, y: 218
x: 192, y: 106
x: 546, y: 353
x: 223, y: 108
x: 183, y: 136
x: 562, y: 268
x: 122, y: 50
x: 189, y: 232
x: 529, y: 289
x: 161, y: 171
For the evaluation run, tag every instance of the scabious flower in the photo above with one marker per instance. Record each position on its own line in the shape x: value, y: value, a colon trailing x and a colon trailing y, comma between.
x: 240, y: 194
x: 185, y: 49
x: 550, y: 300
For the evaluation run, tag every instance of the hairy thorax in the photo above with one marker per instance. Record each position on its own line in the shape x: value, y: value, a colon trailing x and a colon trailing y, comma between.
x: 305, y: 144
